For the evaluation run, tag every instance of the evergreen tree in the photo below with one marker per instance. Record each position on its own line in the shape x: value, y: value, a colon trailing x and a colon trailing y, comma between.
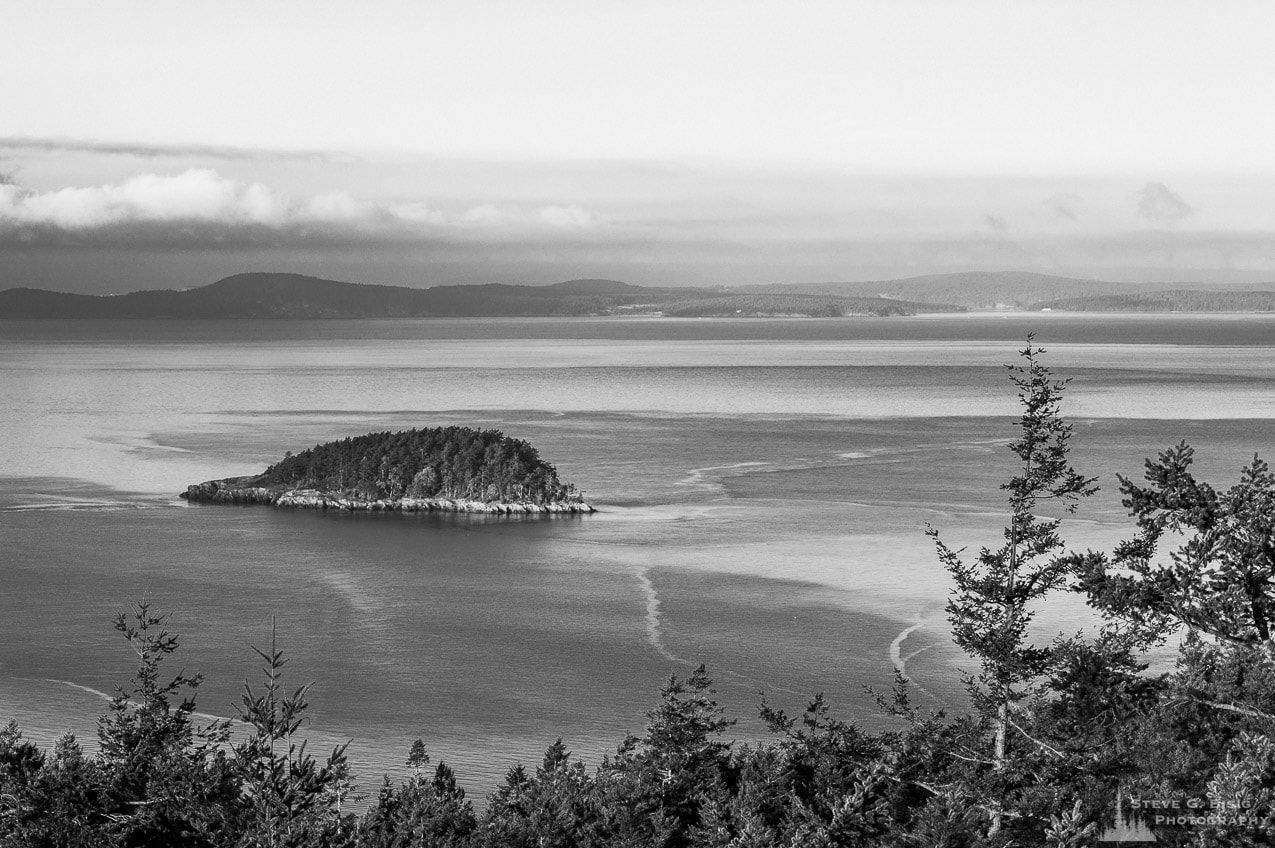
x: 421, y: 812
x: 288, y: 790
x: 992, y: 601
x: 164, y: 779
x: 837, y: 781
x: 1213, y: 729
x: 1219, y: 581
x: 655, y: 787
x: 554, y: 808
x: 24, y: 809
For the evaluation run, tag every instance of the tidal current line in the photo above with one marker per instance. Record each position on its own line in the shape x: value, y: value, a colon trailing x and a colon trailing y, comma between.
x: 653, y: 634
x: 900, y: 662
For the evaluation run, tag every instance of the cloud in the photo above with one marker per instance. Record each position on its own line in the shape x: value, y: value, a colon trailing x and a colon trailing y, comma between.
x: 417, y: 212
x: 194, y: 195
x: 24, y: 144
x: 560, y: 217
x: 1161, y: 205
x: 200, y: 203
x: 996, y: 222
x: 337, y: 206
x: 1064, y: 206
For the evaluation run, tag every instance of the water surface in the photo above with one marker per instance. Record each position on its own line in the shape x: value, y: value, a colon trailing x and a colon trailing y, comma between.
x: 764, y: 488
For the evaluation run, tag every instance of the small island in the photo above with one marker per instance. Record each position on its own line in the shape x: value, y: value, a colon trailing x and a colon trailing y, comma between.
x: 443, y: 469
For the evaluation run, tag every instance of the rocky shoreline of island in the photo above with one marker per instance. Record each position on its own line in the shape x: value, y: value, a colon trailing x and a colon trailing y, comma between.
x: 230, y: 491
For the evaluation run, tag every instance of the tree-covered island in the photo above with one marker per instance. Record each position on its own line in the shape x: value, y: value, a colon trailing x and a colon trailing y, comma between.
x: 456, y: 469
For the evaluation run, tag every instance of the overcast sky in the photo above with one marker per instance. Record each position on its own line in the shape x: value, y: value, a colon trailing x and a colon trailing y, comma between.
x: 149, y: 144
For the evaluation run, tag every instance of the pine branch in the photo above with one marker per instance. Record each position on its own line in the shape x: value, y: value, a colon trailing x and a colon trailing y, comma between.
x: 1234, y: 708
x: 1031, y: 738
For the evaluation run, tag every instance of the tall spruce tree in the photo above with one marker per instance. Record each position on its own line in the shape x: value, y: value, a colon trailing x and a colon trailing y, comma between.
x: 991, y: 604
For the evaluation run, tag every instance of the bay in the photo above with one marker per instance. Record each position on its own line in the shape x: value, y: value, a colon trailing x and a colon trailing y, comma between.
x: 764, y: 488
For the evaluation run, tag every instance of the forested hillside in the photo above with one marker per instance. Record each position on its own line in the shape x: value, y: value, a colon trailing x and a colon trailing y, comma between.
x: 1173, y: 300
x: 974, y: 289
x: 295, y: 296
x: 806, y: 305
x: 442, y: 462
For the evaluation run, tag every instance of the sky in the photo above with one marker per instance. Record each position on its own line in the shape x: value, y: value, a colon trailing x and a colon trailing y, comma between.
x: 164, y: 145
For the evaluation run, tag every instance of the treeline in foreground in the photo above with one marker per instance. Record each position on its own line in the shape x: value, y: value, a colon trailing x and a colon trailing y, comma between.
x: 1062, y: 742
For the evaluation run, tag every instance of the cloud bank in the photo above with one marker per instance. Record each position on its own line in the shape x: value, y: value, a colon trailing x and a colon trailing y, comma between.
x: 27, y: 144
x: 202, y: 202
x: 672, y: 224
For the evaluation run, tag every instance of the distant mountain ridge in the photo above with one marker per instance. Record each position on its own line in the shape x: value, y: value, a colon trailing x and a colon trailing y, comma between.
x: 271, y: 295
x: 296, y: 296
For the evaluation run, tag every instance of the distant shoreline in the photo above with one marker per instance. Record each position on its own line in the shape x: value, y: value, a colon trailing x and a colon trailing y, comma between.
x: 651, y: 318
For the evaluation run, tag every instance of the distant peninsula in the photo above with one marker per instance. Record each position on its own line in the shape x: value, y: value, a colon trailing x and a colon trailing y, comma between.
x: 1023, y: 291
x: 443, y: 469
x: 1172, y: 300
x: 275, y: 296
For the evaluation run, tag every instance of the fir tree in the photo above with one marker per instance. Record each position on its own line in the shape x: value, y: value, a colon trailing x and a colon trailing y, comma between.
x: 554, y: 808
x: 991, y: 605
x: 288, y: 790
x: 164, y: 778
x: 1214, y: 726
x: 431, y: 813
x: 1219, y: 581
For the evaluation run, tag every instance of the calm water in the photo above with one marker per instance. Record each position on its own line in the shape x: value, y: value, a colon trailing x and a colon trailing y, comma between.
x: 763, y: 484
